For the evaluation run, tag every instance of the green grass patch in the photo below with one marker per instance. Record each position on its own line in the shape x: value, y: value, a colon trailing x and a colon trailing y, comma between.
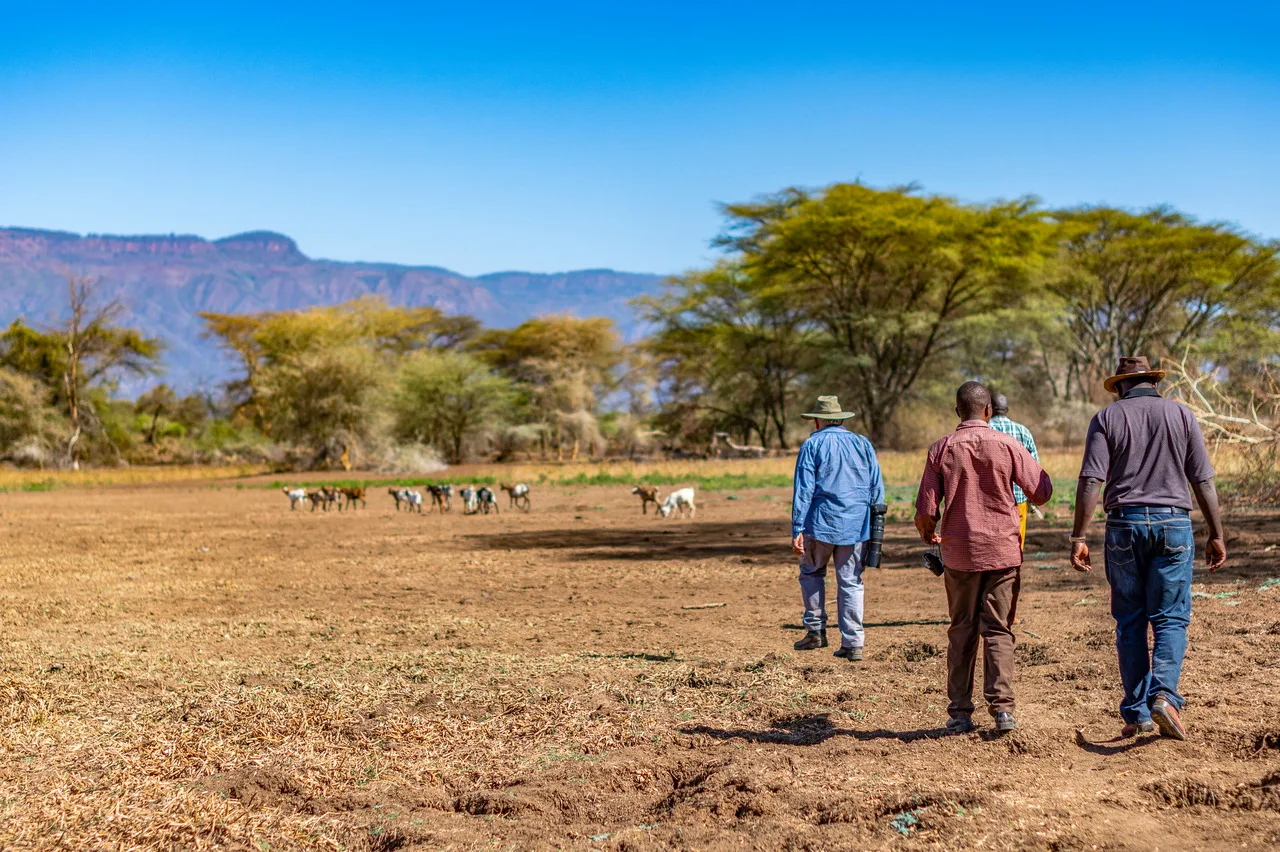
x: 1064, y: 490
x: 708, y: 482
x: 49, y: 484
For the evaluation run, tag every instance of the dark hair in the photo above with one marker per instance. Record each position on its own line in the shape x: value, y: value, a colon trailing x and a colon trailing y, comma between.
x: 972, y: 399
x: 999, y: 403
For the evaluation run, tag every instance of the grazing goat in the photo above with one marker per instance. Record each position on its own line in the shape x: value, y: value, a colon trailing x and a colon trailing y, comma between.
x: 442, y: 496
x: 296, y: 496
x: 331, y: 497
x: 518, y: 495
x: 412, y: 499
x: 678, y: 500
x: 352, y: 496
x: 397, y: 494
x: 487, y: 500
x: 470, y: 500
x: 648, y: 494
x: 318, y: 498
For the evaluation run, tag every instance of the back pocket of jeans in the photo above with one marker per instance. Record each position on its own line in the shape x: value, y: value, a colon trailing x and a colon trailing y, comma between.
x: 1178, y: 537
x: 1119, y: 545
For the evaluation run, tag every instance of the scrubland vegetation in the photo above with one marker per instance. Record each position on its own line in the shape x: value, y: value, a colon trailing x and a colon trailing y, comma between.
x: 888, y: 298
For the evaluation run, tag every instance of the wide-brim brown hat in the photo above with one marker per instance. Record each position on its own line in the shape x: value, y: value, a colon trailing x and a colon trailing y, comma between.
x: 828, y: 409
x: 1133, y: 367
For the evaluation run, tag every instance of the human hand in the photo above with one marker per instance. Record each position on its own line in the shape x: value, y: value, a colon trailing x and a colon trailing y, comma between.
x: 1080, y: 557
x: 797, y: 545
x: 1216, y: 554
x: 927, y: 527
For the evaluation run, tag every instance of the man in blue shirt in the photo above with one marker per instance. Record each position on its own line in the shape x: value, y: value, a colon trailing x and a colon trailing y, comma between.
x: 837, y: 481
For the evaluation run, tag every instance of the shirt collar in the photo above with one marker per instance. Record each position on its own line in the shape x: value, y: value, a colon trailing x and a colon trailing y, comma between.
x: 1139, y: 392
x: 971, y: 424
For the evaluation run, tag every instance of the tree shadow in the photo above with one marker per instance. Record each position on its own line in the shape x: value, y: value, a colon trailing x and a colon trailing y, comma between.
x: 811, y: 730
x: 767, y: 541
x: 680, y: 540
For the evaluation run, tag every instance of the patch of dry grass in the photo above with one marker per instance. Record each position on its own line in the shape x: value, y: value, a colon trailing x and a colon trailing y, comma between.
x: 44, y: 480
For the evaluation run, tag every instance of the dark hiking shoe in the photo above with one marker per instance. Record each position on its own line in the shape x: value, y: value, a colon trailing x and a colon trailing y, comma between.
x: 1165, y: 715
x: 960, y: 725
x: 812, y: 639
x: 1005, y: 722
x: 1146, y: 726
x: 853, y: 655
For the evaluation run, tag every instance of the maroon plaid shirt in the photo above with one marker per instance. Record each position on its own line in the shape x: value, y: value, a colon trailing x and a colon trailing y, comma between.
x: 974, y: 469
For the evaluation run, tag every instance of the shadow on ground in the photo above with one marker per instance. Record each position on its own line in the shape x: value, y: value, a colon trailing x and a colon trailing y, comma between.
x: 810, y: 730
x: 767, y: 541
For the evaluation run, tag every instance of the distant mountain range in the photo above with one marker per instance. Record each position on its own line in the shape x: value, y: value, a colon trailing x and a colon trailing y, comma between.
x: 167, y: 280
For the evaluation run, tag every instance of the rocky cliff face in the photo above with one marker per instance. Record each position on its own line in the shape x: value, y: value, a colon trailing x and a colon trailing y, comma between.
x: 167, y: 280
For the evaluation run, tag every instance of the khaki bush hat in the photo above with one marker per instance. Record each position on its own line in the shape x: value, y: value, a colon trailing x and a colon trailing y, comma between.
x: 828, y: 409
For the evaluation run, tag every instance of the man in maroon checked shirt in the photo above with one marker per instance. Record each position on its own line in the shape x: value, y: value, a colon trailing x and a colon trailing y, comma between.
x: 972, y: 472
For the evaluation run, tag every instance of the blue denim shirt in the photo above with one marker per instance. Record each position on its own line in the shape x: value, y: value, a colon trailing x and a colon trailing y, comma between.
x: 837, y: 481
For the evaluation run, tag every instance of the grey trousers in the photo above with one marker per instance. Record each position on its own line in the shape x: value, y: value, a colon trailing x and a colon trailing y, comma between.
x: 813, y: 575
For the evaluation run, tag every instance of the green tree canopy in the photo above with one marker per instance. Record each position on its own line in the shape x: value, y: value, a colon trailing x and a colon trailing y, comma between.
x: 733, y: 346
x: 1154, y: 283
x: 450, y: 400
x: 888, y: 275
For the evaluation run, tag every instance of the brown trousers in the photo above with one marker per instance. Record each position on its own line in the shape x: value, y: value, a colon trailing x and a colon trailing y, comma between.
x: 981, y: 605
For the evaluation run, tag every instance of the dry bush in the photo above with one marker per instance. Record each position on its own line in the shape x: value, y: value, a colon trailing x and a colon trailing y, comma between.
x: 1241, y: 424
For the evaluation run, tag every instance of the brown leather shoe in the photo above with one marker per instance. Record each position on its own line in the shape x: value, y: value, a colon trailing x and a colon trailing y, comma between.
x: 1146, y: 726
x: 1165, y: 715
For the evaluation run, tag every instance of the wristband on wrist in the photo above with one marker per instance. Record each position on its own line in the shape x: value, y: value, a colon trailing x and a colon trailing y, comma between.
x: 1078, y: 539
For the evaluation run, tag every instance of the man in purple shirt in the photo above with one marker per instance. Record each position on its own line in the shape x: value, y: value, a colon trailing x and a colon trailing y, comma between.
x: 1147, y: 449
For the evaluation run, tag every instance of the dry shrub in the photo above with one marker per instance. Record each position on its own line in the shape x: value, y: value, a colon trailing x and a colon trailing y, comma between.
x: 1242, y: 419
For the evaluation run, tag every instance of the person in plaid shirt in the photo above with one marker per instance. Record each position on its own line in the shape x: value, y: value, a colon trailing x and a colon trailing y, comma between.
x: 1001, y: 423
x: 971, y: 473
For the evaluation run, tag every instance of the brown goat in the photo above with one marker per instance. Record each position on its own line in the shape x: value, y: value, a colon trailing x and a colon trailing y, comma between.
x: 352, y: 496
x: 397, y: 494
x: 518, y: 495
x: 648, y: 494
x: 318, y: 498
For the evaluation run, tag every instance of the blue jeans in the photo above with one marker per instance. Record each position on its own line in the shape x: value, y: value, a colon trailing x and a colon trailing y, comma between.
x: 813, y: 575
x: 1150, y: 552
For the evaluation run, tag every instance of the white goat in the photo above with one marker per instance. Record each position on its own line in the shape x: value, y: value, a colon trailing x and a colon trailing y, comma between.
x: 678, y: 500
x: 413, y: 499
x: 470, y: 500
x: 296, y: 496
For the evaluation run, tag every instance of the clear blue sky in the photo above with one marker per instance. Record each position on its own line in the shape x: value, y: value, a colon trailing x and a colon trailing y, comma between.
x: 552, y: 136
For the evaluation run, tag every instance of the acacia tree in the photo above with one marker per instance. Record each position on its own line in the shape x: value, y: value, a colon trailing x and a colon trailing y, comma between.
x: 731, y: 344
x: 888, y: 275
x: 1154, y: 283
x: 279, y: 349
x: 325, y: 399
x: 449, y: 400
x: 565, y: 365
x: 88, y: 350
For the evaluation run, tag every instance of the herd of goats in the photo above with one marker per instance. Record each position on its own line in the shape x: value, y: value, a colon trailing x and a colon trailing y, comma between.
x: 474, y: 500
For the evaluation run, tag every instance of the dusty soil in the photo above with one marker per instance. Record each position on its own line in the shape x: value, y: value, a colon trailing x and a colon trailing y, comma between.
x: 190, y: 666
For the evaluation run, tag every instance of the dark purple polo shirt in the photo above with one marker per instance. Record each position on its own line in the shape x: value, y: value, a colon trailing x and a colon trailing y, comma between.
x: 1147, y: 448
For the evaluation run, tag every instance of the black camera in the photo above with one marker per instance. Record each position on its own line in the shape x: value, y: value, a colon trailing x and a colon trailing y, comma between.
x: 933, y: 561
x: 871, y: 558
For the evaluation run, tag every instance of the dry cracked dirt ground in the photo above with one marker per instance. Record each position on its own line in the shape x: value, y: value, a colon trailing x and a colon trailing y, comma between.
x: 198, y: 667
